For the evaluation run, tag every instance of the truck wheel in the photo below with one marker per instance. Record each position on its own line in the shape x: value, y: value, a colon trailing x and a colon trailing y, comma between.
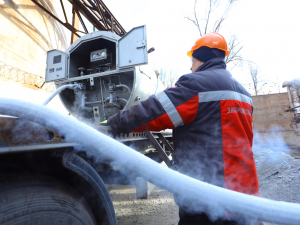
x: 26, y: 199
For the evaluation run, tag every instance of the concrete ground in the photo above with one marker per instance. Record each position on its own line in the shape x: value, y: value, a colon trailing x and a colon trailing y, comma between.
x: 158, y: 209
x: 278, y: 172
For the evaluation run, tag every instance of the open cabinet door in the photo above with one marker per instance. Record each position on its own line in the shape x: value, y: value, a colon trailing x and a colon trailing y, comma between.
x: 56, y: 65
x: 132, y: 48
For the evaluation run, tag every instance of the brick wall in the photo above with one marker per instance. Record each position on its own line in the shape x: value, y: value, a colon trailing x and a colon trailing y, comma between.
x: 270, y: 123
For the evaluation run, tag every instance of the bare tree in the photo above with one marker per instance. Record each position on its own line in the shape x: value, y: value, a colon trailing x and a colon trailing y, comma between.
x: 259, y: 84
x: 234, y: 56
x: 205, y: 25
x: 253, y: 68
x: 167, y: 77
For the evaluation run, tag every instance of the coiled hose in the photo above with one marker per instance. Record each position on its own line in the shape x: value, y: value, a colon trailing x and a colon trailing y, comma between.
x: 211, y: 199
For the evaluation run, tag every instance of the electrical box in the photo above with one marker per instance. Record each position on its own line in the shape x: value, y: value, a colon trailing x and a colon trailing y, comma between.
x: 56, y: 66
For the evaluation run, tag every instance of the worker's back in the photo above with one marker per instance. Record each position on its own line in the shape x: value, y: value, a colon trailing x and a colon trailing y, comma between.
x: 216, y: 146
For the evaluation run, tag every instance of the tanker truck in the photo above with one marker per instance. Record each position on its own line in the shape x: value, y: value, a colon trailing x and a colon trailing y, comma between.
x: 46, y: 178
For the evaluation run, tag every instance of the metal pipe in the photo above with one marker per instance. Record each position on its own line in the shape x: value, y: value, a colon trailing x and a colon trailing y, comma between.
x: 125, y: 86
x: 102, y: 99
x: 60, y: 89
x: 111, y: 98
x: 294, y: 94
x: 106, y: 100
x: 93, y: 103
x: 290, y: 97
x: 291, y: 109
x: 123, y: 100
x: 215, y: 201
x: 104, y: 86
x: 83, y: 103
x: 295, y: 97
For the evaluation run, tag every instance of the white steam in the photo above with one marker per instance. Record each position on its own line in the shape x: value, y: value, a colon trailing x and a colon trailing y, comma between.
x: 272, y: 139
x: 214, y: 200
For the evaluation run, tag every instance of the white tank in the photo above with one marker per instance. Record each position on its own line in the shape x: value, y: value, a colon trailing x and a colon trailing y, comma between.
x: 111, y: 71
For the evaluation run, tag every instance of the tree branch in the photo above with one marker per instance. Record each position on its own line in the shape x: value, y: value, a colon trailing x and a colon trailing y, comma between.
x: 196, y: 18
x: 208, y: 15
x: 205, y: 26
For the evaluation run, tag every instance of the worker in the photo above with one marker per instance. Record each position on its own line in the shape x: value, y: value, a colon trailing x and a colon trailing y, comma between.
x: 211, y: 117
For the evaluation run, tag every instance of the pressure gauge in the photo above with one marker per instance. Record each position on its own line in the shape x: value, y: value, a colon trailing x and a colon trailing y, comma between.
x: 98, y: 56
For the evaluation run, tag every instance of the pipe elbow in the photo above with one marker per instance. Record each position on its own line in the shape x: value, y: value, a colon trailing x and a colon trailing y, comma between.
x: 125, y: 86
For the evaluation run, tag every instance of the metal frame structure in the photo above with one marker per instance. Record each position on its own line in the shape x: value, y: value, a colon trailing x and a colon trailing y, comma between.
x: 95, y: 11
x: 158, y: 147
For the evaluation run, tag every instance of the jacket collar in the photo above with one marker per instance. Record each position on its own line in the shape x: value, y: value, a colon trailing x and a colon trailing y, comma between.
x: 215, y: 63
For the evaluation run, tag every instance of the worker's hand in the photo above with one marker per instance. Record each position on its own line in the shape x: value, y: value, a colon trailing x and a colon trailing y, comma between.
x: 105, y: 128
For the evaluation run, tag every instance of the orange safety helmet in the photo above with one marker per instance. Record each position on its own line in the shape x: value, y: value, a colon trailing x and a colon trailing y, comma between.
x: 211, y: 40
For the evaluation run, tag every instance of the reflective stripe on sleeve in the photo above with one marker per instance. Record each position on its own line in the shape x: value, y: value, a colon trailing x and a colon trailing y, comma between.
x: 211, y: 96
x: 169, y: 108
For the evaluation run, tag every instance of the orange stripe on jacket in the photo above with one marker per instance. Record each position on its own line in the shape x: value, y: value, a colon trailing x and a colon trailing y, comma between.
x: 188, y: 110
x: 161, y: 123
x: 239, y: 166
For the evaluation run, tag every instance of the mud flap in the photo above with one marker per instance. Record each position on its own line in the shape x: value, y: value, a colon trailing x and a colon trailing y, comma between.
x: 79, y: 166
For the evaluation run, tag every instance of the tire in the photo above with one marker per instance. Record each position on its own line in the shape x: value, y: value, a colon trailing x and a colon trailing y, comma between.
x: 39, y: 200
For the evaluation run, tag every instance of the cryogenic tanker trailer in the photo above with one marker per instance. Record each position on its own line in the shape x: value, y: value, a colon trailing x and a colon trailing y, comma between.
x: 109, y: 70
x: 46, y: 178
x: 101, y: 74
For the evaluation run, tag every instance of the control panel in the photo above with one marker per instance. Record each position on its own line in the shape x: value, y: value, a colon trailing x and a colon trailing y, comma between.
x: 98, y: 55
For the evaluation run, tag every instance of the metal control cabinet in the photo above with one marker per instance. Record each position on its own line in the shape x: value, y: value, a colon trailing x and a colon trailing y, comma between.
x: 132, y: 49
x: 56, y: 66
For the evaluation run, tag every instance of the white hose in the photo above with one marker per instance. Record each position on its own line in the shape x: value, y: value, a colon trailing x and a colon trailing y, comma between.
x: 125, y: 86
x: 58, y: 90
x: 211, y: 199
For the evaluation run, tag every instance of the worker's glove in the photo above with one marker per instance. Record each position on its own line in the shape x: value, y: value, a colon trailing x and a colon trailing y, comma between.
x: 105, y: 128
x: 104, y: 123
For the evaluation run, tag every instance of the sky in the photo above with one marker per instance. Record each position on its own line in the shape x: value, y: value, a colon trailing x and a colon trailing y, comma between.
x: 267, y: 29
